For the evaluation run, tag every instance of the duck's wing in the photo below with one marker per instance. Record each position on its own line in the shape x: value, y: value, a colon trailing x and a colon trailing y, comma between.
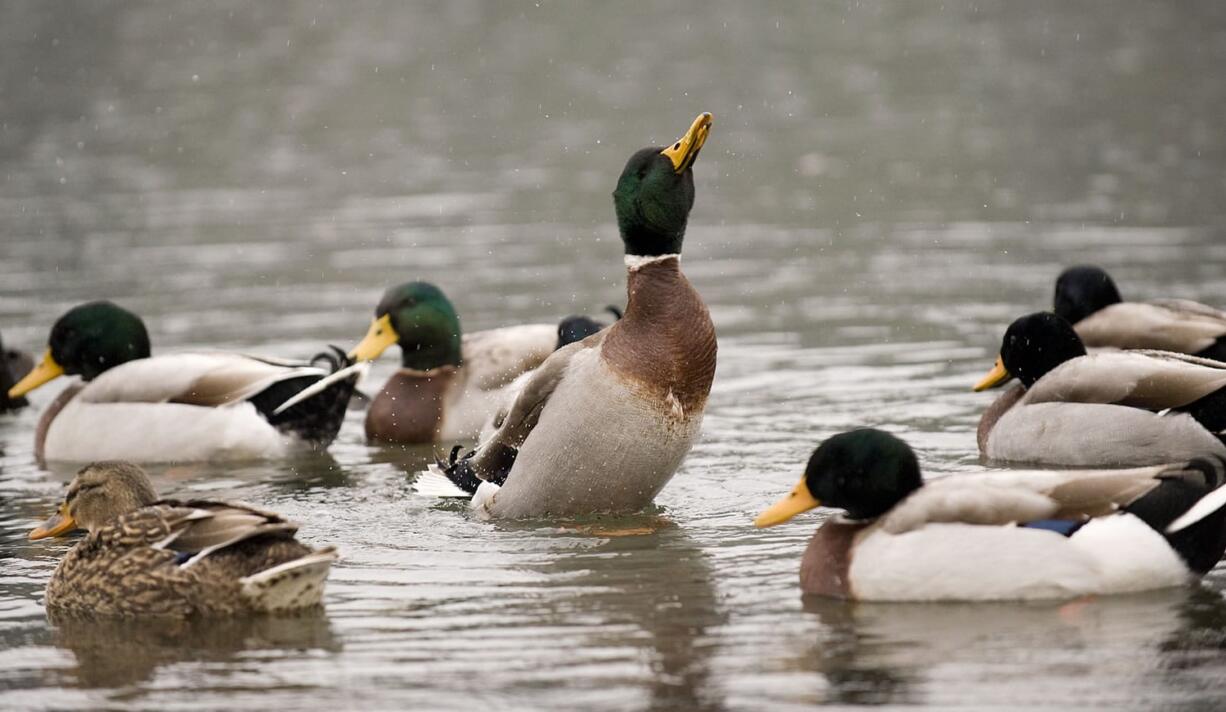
x: 1153, y: 380
x: 197, y: 528
x: 1169, y: 325
x: 493, y: 459
x: 1019, y: 496
x: 204, y: 379
x: 493, y: 358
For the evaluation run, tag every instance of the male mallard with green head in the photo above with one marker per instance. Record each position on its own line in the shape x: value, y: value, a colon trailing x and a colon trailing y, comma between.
x: 1087, y: 298
x: 603, y: 423
x: 145, y: 557
x: 448, y: 384
x: 1101, y: 409
x: 130, y: 405
x: 1000, y: 535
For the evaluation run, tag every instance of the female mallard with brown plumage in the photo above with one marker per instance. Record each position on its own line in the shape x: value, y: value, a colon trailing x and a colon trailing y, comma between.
x: 1000, y: 535
x: 130, y: 405
x: 1101, y: 409
x: 148, y: 557
x: 603, y: 423
x: 449, y: 383
x: 1087, y: 298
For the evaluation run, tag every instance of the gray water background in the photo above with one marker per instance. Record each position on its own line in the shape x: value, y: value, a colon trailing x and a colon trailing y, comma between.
x: 886, y: 186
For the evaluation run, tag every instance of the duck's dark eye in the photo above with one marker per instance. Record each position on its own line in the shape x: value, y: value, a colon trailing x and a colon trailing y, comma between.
x: 677, y: 146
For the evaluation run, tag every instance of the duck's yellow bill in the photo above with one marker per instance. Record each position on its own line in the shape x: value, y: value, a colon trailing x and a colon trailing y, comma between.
x: 685, y: 150
x: 47, y: 370
x: 380, y: 336
x: 800, y: 499
x: 57, y: 524
x: 998, y: 375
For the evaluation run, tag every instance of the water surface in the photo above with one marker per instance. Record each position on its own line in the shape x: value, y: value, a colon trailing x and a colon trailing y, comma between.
x: 887, y: 185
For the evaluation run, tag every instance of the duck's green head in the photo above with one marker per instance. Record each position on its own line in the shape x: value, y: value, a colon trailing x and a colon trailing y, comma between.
x: 1083, y: 290
x: 1033, y: 346
x: 655, y: 193
x: 865, y: 472
x: 87, y: 341
x: 418, y: 317
x: 99, y: 494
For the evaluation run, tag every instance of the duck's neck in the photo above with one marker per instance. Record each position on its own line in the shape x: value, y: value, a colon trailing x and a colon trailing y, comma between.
x: 431, y: 355
x: 665, y: 340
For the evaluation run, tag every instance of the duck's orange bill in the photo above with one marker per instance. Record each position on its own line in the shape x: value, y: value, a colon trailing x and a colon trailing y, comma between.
x: 47, y: 370
x: 683, y: 152
x: 800, y: 499
x: 998, y: 375
x: 57, y: 524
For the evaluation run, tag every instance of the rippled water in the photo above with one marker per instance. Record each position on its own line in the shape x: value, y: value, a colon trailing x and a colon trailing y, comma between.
x: 887, y: 185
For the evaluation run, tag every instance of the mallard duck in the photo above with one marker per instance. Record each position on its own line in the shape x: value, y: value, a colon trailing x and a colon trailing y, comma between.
x: 603, y: 423
x: 578, y: 327
x: 148, y: 557
x: 1000, y: 535
x: 1087, y: 298
x: 575, y: 327
x: 14, y: 365
x: 190, y: 406
x: 448, y: 384
x: 1106, y: 408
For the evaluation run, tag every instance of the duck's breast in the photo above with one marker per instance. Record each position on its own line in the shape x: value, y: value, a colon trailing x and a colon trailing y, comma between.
x: 601, y: 445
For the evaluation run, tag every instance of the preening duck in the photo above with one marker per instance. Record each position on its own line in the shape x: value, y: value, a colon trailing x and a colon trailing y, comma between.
x: 1087, y: 298
x: 603, y: 423
x: 145, y: 557
x: 129, y: 405
x: 1000, y: 535
x: 1102, y: 409
x: 449, y: 383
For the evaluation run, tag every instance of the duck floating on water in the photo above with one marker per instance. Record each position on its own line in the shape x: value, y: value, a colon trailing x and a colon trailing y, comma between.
x: 149, y: 557
x: 1000, y: 535
x: 130, y: 405
x: 604, y: 423
x: 449, y: 383
x: 1108, y: 408
x: 1087, y: 298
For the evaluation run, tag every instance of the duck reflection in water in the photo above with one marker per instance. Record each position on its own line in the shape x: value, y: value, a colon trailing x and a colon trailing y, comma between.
x: 117, y: 653
x: 647, y: 588
x: 901, y: 653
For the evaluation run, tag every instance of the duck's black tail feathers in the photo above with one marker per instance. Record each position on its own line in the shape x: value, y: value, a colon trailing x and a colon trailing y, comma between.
x: 312, y: 407
x: 1189, y: 508
x: 463, y: 473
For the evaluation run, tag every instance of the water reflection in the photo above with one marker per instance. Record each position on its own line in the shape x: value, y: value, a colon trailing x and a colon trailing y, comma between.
x: 649, y: 585
x: 111, y: 654
x: 896, y: 653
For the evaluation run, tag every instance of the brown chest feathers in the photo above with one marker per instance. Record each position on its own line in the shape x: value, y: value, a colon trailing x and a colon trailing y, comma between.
x: 665, y: 343
x: 825, y: 568
x: 409, y: 409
